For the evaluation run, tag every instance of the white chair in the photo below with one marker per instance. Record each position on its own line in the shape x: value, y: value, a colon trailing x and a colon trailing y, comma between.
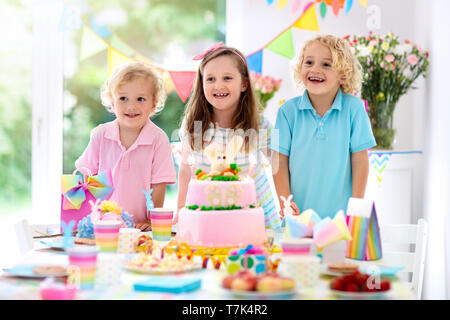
x: 406, y: 235
x: 24, y: 236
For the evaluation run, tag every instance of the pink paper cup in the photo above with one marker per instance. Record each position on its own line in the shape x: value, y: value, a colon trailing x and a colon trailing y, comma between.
x: 107, y: 235
x: 296, y: 246
x: 161, y: 224
x: 82, y: 266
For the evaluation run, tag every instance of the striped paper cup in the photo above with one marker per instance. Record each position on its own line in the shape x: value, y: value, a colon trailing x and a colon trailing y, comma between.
x: 296, y: 246
x: 107, y: 234
x: 82, y: 266
x: 161, y: 224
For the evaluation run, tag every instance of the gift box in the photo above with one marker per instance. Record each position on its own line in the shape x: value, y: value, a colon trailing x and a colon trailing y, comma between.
x: 254, y: 260
x: 362, y: 222
x: 77, y: 192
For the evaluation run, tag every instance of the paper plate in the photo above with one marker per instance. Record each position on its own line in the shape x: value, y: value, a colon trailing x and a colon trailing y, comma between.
x: 162, y: 271
x: 258, y: 295
x: 379, y: 295
x: 26, y: 271
x: 56, y: 244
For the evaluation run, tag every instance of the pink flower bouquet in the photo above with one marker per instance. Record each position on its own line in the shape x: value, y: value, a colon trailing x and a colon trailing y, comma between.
x: 265, y: 86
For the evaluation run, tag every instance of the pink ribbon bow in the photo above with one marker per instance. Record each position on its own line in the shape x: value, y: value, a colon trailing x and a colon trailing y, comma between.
x: 213, y: 48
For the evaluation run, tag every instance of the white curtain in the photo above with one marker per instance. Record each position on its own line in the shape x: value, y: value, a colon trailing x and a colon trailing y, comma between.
x: 437, y: 175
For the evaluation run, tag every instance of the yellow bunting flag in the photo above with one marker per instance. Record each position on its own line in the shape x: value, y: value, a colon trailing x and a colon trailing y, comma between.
x: 121, y: 46
x: 283, y: 45
x: 168, y: 83
x: 91, y: 44
x: 116, y: 59
x: 308, y: 21
x: 363, y: 3
x: 281, y: 3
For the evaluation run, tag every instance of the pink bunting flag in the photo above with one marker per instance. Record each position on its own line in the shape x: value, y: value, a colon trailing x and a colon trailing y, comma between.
x: 183, y: 81
x: 295, y: 6
x: 336, y: 6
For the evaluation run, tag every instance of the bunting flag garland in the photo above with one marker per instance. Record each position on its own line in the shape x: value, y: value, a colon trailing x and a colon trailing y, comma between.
x: 323, y: 9
x: 116, y: 59
x: 281, y: 4
x: 295, y: 6
x: 254, y: 62
x: 308, y: 21
x: 283, y: 45
x: 348, y: 5
x: 96, y: 38
x: 90, y: 44
x: 363, y: 3
x: 183, y: 81
x: 69, y: 20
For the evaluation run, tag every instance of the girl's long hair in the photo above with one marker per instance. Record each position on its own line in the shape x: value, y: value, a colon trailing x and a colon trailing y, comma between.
x: 199, y: 109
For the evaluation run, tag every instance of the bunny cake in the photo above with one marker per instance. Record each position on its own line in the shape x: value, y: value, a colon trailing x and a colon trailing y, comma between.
x: 221, y: 209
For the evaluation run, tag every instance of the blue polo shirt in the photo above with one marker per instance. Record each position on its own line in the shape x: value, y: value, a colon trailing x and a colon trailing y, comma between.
x: 319, y: 150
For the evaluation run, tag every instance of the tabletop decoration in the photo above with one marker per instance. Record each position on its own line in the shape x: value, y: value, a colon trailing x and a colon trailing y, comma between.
x: 362, y: 220
x: 68, y: 241
x: 246, y: 280
x: 390, y: 68
x: 76, y: 193
x: 264, y: 86
x: 144, y: 244
x: 50, y: 289
x: 251, y: 258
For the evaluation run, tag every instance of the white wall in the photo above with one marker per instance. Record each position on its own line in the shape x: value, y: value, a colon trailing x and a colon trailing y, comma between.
x: 251, y: 24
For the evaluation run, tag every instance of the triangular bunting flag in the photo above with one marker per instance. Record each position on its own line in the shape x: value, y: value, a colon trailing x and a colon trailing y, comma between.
x: 283, y: 45
x: 91, y: 44
x: 363, y: 3
x: 295, y: 6
x: 323, y: 9
x: 168, y: 83
x: 348, y: 5
x: 336, y: 6
x: 183, y: 81
x: 99, y: 29
x: 255, y: 62
x: 269, y: 2
x: 116, y: 59
x: 308, y: 21
x: 281, y: 3
x: 121, y: 46
x: 69, y: 20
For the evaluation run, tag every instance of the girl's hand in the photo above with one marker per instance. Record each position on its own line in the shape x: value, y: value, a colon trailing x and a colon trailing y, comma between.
x: 296, y: 210
x: 144, y: 226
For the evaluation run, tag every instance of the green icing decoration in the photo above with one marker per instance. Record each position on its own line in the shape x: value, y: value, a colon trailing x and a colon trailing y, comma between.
x: 251, y: 206
x: 198, y: 171
x: 193, y: 207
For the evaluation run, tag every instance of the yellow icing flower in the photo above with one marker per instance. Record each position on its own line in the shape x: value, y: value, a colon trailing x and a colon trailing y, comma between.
x: 110, y: 206
x: 385, y: 46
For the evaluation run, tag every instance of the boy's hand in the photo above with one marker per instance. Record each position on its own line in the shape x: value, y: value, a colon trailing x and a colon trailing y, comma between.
x: 144, y: 226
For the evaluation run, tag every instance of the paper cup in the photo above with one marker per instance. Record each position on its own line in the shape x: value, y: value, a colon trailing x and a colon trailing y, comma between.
x: 305, y: 270
x: 161, y: 224
x: 127, y: 240
x: 107, y: 235
x: 109, y: 269
x: 296, y: 246
x: 82, y: 266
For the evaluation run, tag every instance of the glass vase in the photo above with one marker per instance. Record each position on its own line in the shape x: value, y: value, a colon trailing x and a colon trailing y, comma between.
x: 381, y: 119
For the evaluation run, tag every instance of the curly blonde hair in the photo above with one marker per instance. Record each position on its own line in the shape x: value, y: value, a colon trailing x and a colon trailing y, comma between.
x: 343, y: 61
x: 127, y: 72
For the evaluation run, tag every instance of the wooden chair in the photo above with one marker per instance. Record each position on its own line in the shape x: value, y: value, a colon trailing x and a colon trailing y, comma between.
x: 413, y: 259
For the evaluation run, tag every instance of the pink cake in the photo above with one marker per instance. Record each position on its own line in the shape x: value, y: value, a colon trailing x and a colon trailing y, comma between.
x: 221, y: 214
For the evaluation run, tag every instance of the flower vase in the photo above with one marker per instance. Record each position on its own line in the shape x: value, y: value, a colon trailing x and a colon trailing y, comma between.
x: 381, y: 116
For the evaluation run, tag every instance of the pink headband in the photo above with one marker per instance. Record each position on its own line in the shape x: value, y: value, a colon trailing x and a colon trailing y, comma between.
x: 214, y: 48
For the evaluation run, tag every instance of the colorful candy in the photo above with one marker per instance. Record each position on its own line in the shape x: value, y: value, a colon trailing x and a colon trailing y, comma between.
x: 144, y: 244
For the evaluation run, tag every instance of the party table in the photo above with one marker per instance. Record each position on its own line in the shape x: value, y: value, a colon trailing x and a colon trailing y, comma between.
x: 19, y: 288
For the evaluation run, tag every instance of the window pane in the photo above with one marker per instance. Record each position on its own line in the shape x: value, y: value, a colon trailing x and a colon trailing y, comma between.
x: 15, y: 107
x: 167, y: 33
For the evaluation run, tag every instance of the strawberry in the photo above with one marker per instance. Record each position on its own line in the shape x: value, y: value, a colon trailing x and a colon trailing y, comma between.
x: 351, y: 287
x: 385, y: 285
x: 337, y: 284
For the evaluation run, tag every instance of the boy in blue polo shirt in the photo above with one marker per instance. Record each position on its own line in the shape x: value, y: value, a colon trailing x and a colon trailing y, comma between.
x: 321, y: 153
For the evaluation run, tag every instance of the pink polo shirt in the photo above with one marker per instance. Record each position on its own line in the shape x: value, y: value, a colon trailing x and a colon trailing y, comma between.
x: 148, y: 161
